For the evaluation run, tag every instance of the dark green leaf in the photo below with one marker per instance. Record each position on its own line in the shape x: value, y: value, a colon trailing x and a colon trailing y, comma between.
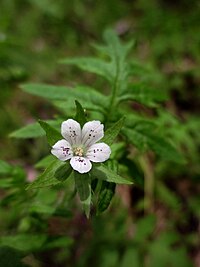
x: 112, y: 132
x: 83, y: 187
x: 10, y: 257
x: 63, y: 172
x: 105, y: 196
x: 80, y: 114
x: 52, y: 134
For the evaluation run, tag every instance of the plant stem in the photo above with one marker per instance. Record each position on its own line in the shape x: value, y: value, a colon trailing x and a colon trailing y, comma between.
x: 114, y: 92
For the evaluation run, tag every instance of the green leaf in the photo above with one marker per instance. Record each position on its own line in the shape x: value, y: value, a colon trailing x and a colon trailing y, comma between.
x: 24, y: 242
x: 107, y: 190
x: 49, y: 177
x: 80, y: 114
x: 43, y: 163
x: 5, y: 168
x: 89, y: 64
x: 33, y: 130
x: 145, y: 138
x: 104, y: 173
x: 105, y: 196
x: 143, y: 94
x: 83, y: 187
x: 112, y: 132
x: 63, y: 172
x: 52, y: 134
x: 52, y: 92
x: 131, y: 255
x: 59, y: 242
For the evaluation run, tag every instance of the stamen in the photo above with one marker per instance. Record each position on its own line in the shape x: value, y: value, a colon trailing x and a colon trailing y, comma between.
x: 78, y: 151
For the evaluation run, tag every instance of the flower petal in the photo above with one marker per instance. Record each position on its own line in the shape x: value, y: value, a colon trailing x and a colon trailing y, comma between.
x: 71, y: 131
x: 98, y: 152
x: 81, y: 164
x: 62, y: 150
x: 92, y: 132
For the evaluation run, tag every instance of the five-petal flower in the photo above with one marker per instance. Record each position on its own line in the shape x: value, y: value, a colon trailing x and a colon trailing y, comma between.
x: 79, y: 145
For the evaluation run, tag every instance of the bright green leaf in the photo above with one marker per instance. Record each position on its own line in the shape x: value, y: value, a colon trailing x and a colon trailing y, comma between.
x: 104, y: 173
x: 93, y: 65
x: 47, y: 178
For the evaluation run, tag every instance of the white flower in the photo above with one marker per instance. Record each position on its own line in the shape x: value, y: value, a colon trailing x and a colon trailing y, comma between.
x: 80, y: 145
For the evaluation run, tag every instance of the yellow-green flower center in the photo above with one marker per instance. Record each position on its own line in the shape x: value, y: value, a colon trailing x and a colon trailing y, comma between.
x: 78, y: 151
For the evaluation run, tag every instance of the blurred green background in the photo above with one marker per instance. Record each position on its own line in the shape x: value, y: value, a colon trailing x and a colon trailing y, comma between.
x: 34, y: 35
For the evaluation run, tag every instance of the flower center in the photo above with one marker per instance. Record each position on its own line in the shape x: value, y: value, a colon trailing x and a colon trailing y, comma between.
x: 78, y: 151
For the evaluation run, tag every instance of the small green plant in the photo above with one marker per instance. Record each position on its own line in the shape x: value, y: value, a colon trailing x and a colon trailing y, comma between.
x: 136, y: 129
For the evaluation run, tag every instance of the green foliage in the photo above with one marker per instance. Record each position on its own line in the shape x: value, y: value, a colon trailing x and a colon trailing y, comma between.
x: 83, y: 187
x: 52, y: 134
x: 152, y: 82
x: 53, y: 174
x: 104, y: 173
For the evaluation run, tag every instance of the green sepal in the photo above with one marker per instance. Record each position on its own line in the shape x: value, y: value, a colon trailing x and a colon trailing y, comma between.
x: 83, y: 187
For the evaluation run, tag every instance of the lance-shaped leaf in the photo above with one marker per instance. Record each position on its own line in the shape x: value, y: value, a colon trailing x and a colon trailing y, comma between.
x: 145, y: 139
x: 52, y: 175
x: 143, y: 94
x: 83, y: 187
x: 80, y: 114
x: 107, y: 190
x: 33, y: 130
x: 112, y: 132
x: 93, y: 65
x: 104, y: 173
x: 52, y: 134
x: 53, y: 92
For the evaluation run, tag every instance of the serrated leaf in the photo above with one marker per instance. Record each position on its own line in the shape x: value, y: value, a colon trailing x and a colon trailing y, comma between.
x: 143, y: 94
x: 33, y: 130
x: 102, y: 172
x: 51, y: 133
x: 47, y: 178
x: 112, y: 132
x: 52, y: 92
x: 80, y: 114
x: 93, y: 65
x: 145, y: 138
x: 83, y: 187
